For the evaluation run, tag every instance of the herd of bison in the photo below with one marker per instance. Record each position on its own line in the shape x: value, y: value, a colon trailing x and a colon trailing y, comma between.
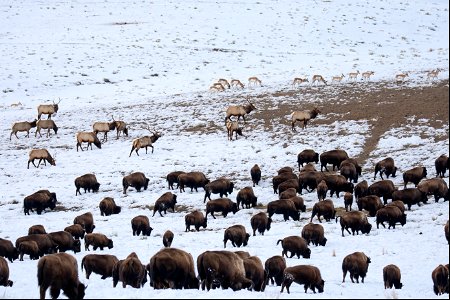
x: 175, y: 268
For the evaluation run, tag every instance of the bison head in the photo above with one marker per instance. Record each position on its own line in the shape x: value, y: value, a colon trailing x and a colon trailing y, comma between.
x: 234, y: 208
x: 146, y: 183
x: 247, y: 236
x: 76, y: 246
x: 96, y: 187
x: 117, y: 209
x: 323, y: 242
x: 148, y: 231
x: 320, y: 285
x: 366, y: 228
x: 110, y: 244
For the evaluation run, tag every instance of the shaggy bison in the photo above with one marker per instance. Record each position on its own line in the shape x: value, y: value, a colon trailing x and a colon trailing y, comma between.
x: 441, y: 165
x: 97, y: 240
x: 382, y: 189
x: 223, y: 205
x: 140, y: 224
x: 371, y: 203
x: 4, y: 273
x: 8, y: 250
x: 196, y: 219
x: 130, y: 271
x: 260, y: 222
x: 45, y: 243
x: 192, y: 180
x: 172, y: 178
x: 333, y: 157
x: 323, y: 208
x: 167, y: 238
x: 307, y: 156
x: 391, y: 214
x: 274, y: 267
x: 76, y: 230
x: 296, y: 245
x: 108, y: 207
x: 65, y: 241
x: 36, y: 229
x: 255, y: 173
x: 101, y: 264
x: 414, y: 175
x: 86, y: 220
x: 30, y: 248
x: 164, y: 202
x: 314, y: 233
x: 392, y: 277
x: 87, y: 182
x: 246, y: 197
x: 356, y: 221
x: 136, y: 180
x: 237, y: 235
x: 385, y: 166
x: 436, y: 187
x: 284, y: 207
x: 307, y: 275
x: 440, y: 279
x: 254, y: 270
x: 221, y: 186
x: 357, y: 265
x: 410, y: 196
x: 39, y: 200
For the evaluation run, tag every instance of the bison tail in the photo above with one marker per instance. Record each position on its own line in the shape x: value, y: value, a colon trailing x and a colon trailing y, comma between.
x: 82, y: 263
x: 40, y: 271
x: 279, y: 242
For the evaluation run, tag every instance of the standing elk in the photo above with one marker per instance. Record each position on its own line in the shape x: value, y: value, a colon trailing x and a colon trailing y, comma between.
x: 239, y: 110
x: 87, y: 137
x: 233, y: 127
x: 298, y: 81
x: 22, y: 126
x: 236, y: 83
x: 42, y: 155
x: 48, y: 109
x: 104, y: 127
x: 45, y: 124
x: 318, y: 78
x: 254, y: 81
x: 144, y: 142
x: 304, y: 116
x: 121, y: 127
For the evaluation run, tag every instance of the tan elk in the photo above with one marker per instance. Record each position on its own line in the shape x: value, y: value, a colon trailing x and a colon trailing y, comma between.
x: 43, y: 155
x: 298, y: 81
x: 89, y: 138
x: 104, y: 127
x: 144, y: 142
x: 22, y: 126
x: 254, y: 81
x: 45, y: 124
x: 218, y: 87
x: 366, y: 75
x: 236, y: 83
x: 303, y: 116
x: 239, y: 110
x: 233, y: 127
x: 121, y: 127
x: 48, y: 109
x: 318, y: 78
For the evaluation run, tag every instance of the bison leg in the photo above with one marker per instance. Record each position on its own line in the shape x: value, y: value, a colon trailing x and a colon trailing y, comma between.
x: 54, y: 292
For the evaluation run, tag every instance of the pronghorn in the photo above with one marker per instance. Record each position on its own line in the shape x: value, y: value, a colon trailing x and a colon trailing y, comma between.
x: 401, y: 77
x: 254, y: 80
x: 433, y: 74
x: 318, y: 78
x: 297, y: 81
x: 218, y: 87
x: 337, y: 78
x: 366, y: 75
x: 224, y: 83
x: 237, y: 83
x: 353, y: 75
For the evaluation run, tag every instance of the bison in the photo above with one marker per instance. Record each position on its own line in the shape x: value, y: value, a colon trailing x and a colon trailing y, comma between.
x: 440, y: 279
x: 307, y: 275
x: 309, y: 180
x: 88, y: 182
x: 192, y: 180
x: 140, y: 224
x: 97, y: 240
x: 314, y: 233
x: 101, y: 264
x: 39, y: 200
x: 164, y: 202
x: 167, y: 238
x: 361, y: 189
x: 356, y: 221
x: 4, y: 273
x: 136, y: 180
x: 348, y: 201
x: 392, y: 215
x: 337, y: 183
x: 221, y: 186
x: 108, y: 207
x: 414, y: 175
x: 357, y: 265
x: 260, y: 222
x: 348, y: 170
x: 30, y: 248
x: 288, y: 193
x: 382, y: 188
x: 172, y: 178
x: 307, y: 156
x: 8, y: 250
x: 392, y: 277
x: 196, y: 219
x: 436, y: 187
x: 371, y: 203
x: 323, y: 208
x: 65, y: 241
x: 130, y: 271
x: 274, y: 267
x: 36, y: 229
x: 255, y: 173
x: 322, y: 190
x: 333, y: 157
x: 385, y: 166
x: 237, y: 235
x: 45, y: 243
x: 254, y: 270
x: 410, y: 196
x: 284, y: 207
x: 296, y: 245
x: 441, y: 165
x: 246, y: 197
x: 224, y: 205
x: 280, y: 178
x: 76, y: 230
x: 446, y: 230
x: 86, y: 220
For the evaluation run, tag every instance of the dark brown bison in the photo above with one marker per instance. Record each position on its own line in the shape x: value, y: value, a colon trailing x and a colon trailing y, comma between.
x: 274, y: 267
x: 59, y: 271
x: 136, y: 180
x: 192, y: 180
x: 298, y: 202
x: 333, y: 157
x: 382, y: 189
x: 172, y: 178
x: 8, y: 250
x: 322, y: 190
x: 441, y: 165
x: 45, y: 243
x: 65, y: 241
x: 37, y: 229
x: 287, y: 184
x: 172, y: 268
x: 140, y: 224
x: 308, y: 167
x: 108, y: 207
x: 237, y: 235
x: 414, y: 175
x: 354, y: 162
x: 246, y: 197
x: 435, y: 186
x: 385, y: 166
x: 284, y: 207
x: 399, y: 204
x: 348, y: 170
x: 348, y: 201
x: 286, y: 169
x: 87, y: 182
x: 371, y: 203
x: 314, y: 233
x: 254, y: 270
x: 196, y: 219
x: 86, y: 220
x: 223, y: 205
x: 307, y: 275
x: 30, y: 248
x: 76, y: 230
x: 130, y: 271
x: 278, y: 179
x: 440, y: 277
x: 260, y: 222
x: 309, y: 180
x: 39, y: 200
x: 357, y: 265
x: 392, y: 277
x: 4, y: 273
x: 255, y: 173
x: 164, y: 202
x: 356, y: 221
x: 101, y: 264
x: 288, y: 193
x: 337, y: 183
x: 392, y: 215
x: 221, y: 186
x: 446, y: 230
x: 323, y: 208
x: 222, y: 268
x: 307, y: 156
x: 361, y: 189
x: 296, y: 245
x: 167, y: 238
x: 410, y: 196
x: 97, y: 240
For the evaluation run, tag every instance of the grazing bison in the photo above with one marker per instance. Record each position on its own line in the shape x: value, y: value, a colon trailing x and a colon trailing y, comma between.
x: 254, y: 270
x: 288, y: 184
x: 314, y: 233
x: 130, y: 271
x: 167, y: 238
x: 414, y: 175
x: 361, y: 189
x: 59, y: 271
x: 309, y: 180
x: 255, y: 173
x: 97, y: 240
x: 8, y: 250
x: 307, y: 156
x: 260, y: 222
x: 222, y: 268
x: 192, y: 180
x: 196, y: 219
x: 435, y: 186
x: 357, y: 265
x: 441, y: 165
x: 140, y: 224
x: 108, y: 207
x: 333, y: 157
x: 76, y: 230
x: 382, y: 189
x: 392, y: 215
x: 224, y: 205
x: 298, y: 202
x: 65, y: 241
x: 280, y: 178
x: 356, y: 221
x: 399, y: 204
x: 221, y: 186
x: 284, y: 207
x: 274, y: 267
x: 296, y: 245
x: 45, y: 243
x: 337, y: 183
x: 4, y: 273
x: 101, y: 264
x: 172, y: 178
x: 370, y: 203
x: 354, y: 162
x: 172, y: 268
x: 307, y: 275
x: 237, y: 235
x: 86, y: 220
x: 348, y: 201
x: 246, y: 197
x: 348, y: 170
x: 323, y: 208
x: 410, y: 196
x: 164, y: 202
x: 36, y: 229
x: 392, y: 277
x: 440, y: 277
x: 385, y: 166
x: 30, y: 248
x: 39, y: 200
x: 289, y: 193
x: 88, y: 182
x: 322, y: 190
x: 136, y: 180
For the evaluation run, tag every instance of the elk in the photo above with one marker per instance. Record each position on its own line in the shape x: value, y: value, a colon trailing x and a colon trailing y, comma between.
x: 366, y: 75
x: 233, y: 127
x: 87, y: 137
x: 224, y: 82
x: 353, y: 75
x: 303, y: 116
x: 42, y: 155
x: 239, y: 110
x: 121, y: 126
x: 48, y: 109
x: 297, y: 81
x: 337, y: 78
x: 433, y: 74
x: 45, y: 124
x: 237, y: 83
x: 22, y: 126
x: 318, y: 78
x: 254, y: 80
x: 144, y: 142
x: 104, y: 127
x: 401, y: 77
